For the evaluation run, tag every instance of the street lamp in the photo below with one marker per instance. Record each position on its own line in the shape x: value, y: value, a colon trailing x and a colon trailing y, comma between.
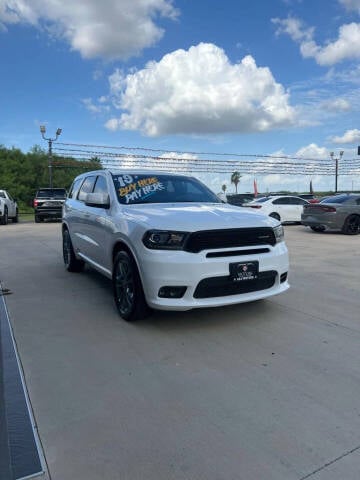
x: 50, y: 142
x: 336, y: 166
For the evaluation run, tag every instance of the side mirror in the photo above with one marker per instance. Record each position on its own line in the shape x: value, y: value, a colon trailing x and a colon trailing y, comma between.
x: 99, y: 200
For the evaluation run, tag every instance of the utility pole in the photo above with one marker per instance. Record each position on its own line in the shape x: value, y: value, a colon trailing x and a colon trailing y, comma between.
x: 50, y: 142
x: 332, y: 155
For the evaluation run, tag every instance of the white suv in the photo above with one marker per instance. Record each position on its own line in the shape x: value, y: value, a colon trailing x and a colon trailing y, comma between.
x: 168, y: 242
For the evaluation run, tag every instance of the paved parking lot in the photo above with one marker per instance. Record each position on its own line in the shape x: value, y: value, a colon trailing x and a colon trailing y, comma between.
x: 262, y: 391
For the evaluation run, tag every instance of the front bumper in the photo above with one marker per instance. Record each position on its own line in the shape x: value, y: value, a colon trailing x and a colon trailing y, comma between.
x: 179, y: 268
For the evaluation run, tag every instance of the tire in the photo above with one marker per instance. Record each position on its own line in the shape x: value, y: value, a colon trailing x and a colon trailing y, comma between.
x: 4, y: 219
x: 16, y: 218
x: 317, y: 228
x: 38, y: 219
x: 351, y: 225
x: 127, y: 289
x: 275, y: 215
x: 72, y: 264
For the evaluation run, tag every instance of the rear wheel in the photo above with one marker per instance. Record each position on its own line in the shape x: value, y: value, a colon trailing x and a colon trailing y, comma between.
x: 128, y: 292
x: 351, y: 225
x: 38, y: 219
x: 275, y: 215
x: 317, y: 228
x: 4, y: 219
x: 72, y: 264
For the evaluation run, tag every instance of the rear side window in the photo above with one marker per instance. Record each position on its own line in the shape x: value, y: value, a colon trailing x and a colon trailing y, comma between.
x: 282, y: 201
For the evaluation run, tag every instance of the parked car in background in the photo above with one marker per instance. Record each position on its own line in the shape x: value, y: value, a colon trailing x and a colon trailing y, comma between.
x: 309, y: 197
x: 285, y: 208
x: 167, y: 242
x: 339, y: 212
x: 48, y: 203
x: 8, y: 208
x: 240, y: 199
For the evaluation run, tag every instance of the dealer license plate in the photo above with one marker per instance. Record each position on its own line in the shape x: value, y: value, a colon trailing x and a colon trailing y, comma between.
x: 244, y: 271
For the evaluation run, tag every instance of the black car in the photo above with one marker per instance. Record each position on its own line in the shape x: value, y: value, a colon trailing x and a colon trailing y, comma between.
x: 48, y: 203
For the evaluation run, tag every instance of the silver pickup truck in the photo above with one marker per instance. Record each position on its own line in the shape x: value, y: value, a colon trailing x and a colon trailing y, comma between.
x: 8, y: 208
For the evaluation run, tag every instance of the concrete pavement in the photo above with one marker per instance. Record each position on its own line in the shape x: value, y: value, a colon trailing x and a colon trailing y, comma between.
x: 267, y: 390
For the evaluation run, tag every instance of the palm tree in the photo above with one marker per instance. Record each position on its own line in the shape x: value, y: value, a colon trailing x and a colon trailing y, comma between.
x: 235, y: 179
x: 223, y: 187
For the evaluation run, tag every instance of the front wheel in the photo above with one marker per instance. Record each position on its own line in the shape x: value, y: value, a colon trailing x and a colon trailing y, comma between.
x: 351, y: 225
x: 4, y: 219
x: 72, y: 264
x: 128, y: 292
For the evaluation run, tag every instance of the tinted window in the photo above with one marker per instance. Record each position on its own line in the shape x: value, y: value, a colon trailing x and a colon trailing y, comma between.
x: 282, y: 201
x: 75, y: 187
x: 51, y: 192
x: 338, y: 199
x: 262, y: 199
x: 141, y: 188
x: 298, y: 201
x: 86, y: 187
x: 100, y: 185
x: 2, y: 194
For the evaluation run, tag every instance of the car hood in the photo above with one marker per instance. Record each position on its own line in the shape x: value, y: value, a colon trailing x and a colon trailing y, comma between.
x: 192, y: 217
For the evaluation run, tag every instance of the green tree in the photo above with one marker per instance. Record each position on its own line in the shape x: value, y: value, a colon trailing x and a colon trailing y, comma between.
x: 223, y: 187
x: 235, y: 179
x: 23, y: 173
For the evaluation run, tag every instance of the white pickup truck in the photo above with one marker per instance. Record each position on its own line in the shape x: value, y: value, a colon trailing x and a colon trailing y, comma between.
x: 8, y: 208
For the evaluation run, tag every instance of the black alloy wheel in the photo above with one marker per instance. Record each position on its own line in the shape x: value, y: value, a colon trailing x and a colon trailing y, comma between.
x: 128, y: 292
x: 352, y: 225
x: 72, y: 264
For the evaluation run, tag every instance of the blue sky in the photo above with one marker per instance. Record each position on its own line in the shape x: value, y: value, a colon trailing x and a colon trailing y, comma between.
x: 279, y: 77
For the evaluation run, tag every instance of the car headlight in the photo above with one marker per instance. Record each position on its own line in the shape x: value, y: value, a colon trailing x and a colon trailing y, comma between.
x: 279, y: 233
x: 164, y: 239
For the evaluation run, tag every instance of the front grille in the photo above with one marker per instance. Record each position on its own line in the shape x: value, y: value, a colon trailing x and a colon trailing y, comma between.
x: 224, y: 286
x: 237, y: 253
x: 229, y: 238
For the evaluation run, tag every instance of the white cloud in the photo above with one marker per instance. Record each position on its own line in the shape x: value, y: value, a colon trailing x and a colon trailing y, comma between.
x: 337, y: 105
x: 347, y: 45
x: 199, y: 91
x: 294, y: 28
x: 352, y: 5
x: 313, y: 151
x: 96, y: 108
x: 110, y: 29
x: 350, y: 136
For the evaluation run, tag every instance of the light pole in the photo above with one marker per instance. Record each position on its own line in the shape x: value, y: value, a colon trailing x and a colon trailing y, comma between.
x: 50, y: 142
x: 336, y: 166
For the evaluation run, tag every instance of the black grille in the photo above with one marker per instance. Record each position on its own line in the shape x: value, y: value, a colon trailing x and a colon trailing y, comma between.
x: 224, y: 286
x: 237, y: 253
x: 229, y: 238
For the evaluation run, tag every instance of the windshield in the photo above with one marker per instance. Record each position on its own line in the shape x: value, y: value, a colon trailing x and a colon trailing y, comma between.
x: 142, y: 188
